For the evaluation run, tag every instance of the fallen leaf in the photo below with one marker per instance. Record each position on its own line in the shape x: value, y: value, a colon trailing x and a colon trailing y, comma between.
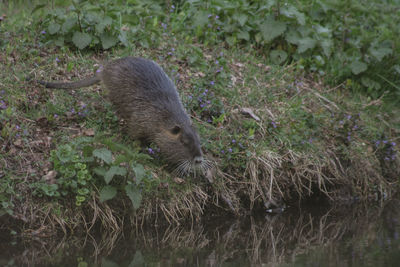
x: 179, y: 180
x: 249, y: 111
x: 50, y: 177
x: 88, y: 132
x: 240, y: 65
x: 18, y: 143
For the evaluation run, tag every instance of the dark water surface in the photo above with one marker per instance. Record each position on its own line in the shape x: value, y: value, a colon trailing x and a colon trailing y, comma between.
x: 357, y: 235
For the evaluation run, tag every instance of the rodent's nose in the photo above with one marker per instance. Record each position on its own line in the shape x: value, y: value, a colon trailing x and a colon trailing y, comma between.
x: 198, y: 160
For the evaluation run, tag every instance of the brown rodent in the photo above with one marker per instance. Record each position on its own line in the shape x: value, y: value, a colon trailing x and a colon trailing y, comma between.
x: 146, y: 98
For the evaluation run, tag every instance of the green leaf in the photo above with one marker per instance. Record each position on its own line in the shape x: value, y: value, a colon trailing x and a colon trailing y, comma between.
x: 54, y: 28
x: 81, y: 39
x: 108, y: 192
x: 37, y: 7
x: 200, y: 19
x: 68, y: 24
x: 138, y: 260
x: 139, y: 172
x: 292, y: 36
x: 108, y: 263
x: 134, y: 195
x: 104, y: 154
x: 102, y: 24
x: 357, y: 67
x: 114, y: 170
x: 326, y: 46
x: 241, y: 18
x: 244, y: 35
x: 380, y: 53
x: 101, y: 171
x: 278, y: 56
x: 107, y: 40
x: 369, y: 83
x: 305, y: 44
x: 271, y: 29
x: 292, y: 12
x: 59, y: 41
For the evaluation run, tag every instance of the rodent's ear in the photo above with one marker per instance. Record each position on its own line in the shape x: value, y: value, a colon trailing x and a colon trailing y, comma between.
x: 176, y: 130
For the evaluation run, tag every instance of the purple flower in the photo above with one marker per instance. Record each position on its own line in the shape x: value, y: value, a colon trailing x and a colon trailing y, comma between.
x: 164, y: 26
x: 377, y: 143
x: 43, y: 32
x: 209, y: 15
x: 190, y: 97
x: 202, y: 105
x: 204, y: 93
x: 72, y: 110
x: 355, y: 127
x: 273, y: 124
x: 150, y: 150
x: 348, y: 117
x: 57, y: 60
x: 17, y: 127
x: 172, y: 49
x: 55, y: 116
x: 206, y: 90
x: 393, y: 143
x: 169, y: 53
x: 348, y: 138
x: 230, y: 150
x: 233, y: 141
x: 384, y: 141
x: 212, y: 82
x: 209, y: 120
x: 216, y: 62
x: 2, y: 92
x: 2, y: 105
x: 310, y: 140
x: 387, y: 158
x: 341, y: 122
x: 208, y: 102
x: 216, y: 17
x: 222, y: 151
x: 221, y: 54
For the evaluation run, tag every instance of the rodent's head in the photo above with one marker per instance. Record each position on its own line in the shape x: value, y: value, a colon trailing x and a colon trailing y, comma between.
x: 180, y: 144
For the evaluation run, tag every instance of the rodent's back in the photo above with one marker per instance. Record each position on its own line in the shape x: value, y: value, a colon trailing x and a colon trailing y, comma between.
x: 143, y: 94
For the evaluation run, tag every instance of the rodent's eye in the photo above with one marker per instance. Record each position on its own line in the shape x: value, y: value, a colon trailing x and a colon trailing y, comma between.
x: 176, y: 130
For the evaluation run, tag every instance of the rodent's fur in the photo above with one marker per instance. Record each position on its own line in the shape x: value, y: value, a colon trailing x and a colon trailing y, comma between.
x: 146, y: 98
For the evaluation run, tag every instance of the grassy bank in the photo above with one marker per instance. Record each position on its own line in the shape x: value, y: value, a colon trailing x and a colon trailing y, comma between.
x: 275, y: 133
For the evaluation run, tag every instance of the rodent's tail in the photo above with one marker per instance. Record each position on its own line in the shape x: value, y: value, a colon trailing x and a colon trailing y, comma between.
x: 72, y: 85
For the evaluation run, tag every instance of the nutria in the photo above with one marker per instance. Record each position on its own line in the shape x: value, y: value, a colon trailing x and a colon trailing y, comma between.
x: 146, y: 98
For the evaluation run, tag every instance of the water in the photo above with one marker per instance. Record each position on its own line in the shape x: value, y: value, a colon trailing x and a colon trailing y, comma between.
x: 358, y: 235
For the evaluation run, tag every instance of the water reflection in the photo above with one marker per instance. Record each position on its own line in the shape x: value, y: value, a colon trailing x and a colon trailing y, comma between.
x: 346, y: 236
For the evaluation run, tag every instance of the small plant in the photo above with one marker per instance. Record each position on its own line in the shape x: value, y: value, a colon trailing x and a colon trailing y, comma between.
x: 89, y: 163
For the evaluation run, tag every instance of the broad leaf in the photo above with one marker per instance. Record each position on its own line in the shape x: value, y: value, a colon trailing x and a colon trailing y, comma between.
x: 327, y: 45
x: 104, y: 154
x: 134, y: 195
x: 139, y: 172
x: 68, y: 24
x: 200, y: 19
x: 292, y: 12
x: 292, y: 36
x: 243, y: 35
x: 357, y: 67
x: 138, y: 260
x: 81, y: 39
x: 305, y: 44
x: 380, y: 53
x: 107, y: 40
x: 107, y: 192
x: 241, y: 18
x: 114, y: 170
x: 278, y: 56
x: 271, y: 29
x: 54, y: 28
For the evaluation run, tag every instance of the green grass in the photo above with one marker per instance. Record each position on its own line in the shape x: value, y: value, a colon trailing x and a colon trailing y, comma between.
x: 275, y: 133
